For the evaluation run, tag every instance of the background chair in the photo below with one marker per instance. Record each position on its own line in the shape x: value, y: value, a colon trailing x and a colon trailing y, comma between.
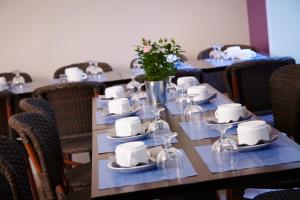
x: 72, y: 106
x: 285, y: 97
x: 42, y: 144
x: 7, y: 109
x: 248, y: 83
x: 288, y: 194
x: 9, y: 76
x: 105, y: 67
x: 216, y: 78
x: 16, y: 180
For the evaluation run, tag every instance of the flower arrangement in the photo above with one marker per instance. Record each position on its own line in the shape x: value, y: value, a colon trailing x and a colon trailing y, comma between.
x: 158, y: 58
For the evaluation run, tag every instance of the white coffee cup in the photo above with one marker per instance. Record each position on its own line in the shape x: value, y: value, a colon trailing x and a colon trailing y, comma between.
x: 75, y: 74
x: 187, y: 81
x: 229, y: 112
x: 119, y: 106
x: 252, y: 132
x: 3, y: 83
x: 198, y: 91
x: 128, y: 126
x: 130, y: 154
x: 115, y: 92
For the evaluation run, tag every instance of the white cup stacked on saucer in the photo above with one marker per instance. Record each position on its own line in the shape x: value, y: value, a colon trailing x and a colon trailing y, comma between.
x: 250, y: 133
x: 199, y: 92
x: 131, y: 154
x: 119, y: 106
x: 230, y: 112
x: 75, y: 74
x: 128, y: 126
x: 115, y: 92
x: 3, y: 84
x: 187, y: 81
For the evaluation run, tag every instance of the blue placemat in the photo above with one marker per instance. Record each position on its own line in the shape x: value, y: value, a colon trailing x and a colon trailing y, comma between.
x: 199, y: 130
x: 102, y: 120
x: 212, y: 105
x: 105, y: 145
x: 111, y: 179
x: 183, y: 66
x: 283, y: 150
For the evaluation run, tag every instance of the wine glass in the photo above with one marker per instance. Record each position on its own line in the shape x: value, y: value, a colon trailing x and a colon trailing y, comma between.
x: 18, y: 80
x: 140, y: 99
x: 171, y: 88
x: 225, y: 148
x: 93, y: 69
x: 193, y: 113
x: 170, y: 159
x: 217, y: 53
x: 158, y: 127
x: 182, y: 100
x: 133, y: 85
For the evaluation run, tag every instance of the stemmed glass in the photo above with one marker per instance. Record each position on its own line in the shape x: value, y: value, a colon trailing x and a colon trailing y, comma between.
x: 217, y: 53
x: 193, y: 113
x: 133, y: 85
x: 182, y: 100
x: 170, y: 159
x: 140, y: 99
x: 171, y: 88
x: 158, y: 127
x: 18, y: 80
x: 224, y: 148
x: 93, y: 69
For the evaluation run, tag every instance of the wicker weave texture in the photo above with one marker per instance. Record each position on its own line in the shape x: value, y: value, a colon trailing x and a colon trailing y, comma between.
x: 253, y: 81
x: 6, y: 99
x: 285, y: 95
x: 105, y: 67
x: 34, y: 128
x: 72, y: 105
x: 14, y: 179
x: 289, y: 194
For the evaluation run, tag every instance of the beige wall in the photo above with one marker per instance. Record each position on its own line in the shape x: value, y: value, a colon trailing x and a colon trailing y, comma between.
x: 38, y: 36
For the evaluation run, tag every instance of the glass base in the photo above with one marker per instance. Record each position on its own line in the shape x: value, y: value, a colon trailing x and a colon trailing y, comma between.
x: 224, y: 144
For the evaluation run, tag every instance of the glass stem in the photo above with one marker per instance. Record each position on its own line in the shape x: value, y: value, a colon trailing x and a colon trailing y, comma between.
x: 223, y: 133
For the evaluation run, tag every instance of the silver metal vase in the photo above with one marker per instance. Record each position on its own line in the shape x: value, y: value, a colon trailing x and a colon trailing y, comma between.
x: 156, y: 91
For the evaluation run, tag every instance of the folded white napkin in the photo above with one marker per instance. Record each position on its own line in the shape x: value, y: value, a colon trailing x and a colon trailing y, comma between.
x: 235, y: 52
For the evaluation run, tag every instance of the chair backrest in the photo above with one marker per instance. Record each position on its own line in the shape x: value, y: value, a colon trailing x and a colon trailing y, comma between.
x: 285, y: 97
x: 9, y: 76
x: 41, y: 141
x: 38, y: 105
x: 72, y: 105
x: 196, y: 72
x: 14, y: 168
x: 105, y: 67
x: 248, y: 82
x: 7, y: 109
x: 205, y: 53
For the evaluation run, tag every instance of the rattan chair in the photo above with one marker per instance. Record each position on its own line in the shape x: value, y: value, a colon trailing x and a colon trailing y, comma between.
x: 72, y: 105
x: 105, y: 67
x: 16, y: 180
x: 285, y: 97
x: 9, y: 76
x: 248, y: 82
x: 7, y: 109
x: 42, y: 144
x: 288, y: 194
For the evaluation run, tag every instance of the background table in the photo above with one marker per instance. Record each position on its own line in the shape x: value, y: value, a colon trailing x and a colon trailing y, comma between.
x: 204, y: 182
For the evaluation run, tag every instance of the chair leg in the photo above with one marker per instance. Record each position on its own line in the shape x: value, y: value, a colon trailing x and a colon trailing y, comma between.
x: 235, y: 194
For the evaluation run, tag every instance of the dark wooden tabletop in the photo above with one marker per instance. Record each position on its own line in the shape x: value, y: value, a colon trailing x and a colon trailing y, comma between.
x: 205, y: 66
x: 204, y: 181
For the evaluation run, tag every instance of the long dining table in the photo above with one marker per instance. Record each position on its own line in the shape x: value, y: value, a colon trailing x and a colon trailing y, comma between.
x: 201, y: 183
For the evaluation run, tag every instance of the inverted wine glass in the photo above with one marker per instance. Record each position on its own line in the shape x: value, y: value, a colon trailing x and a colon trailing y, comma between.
x: 133, y: 85
x: 140, y: 99
x: 158, y: 127
x: 182, y: 100
x: 171, y: 88
x: 94, y: 70
x: 18, y: 80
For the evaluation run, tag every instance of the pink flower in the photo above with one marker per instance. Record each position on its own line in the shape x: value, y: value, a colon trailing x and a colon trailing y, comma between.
x: 146, y: 49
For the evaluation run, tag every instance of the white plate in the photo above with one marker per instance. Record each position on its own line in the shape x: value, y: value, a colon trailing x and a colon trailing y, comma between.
x: 136, y: 169
x: 210, y: 118
x: 119, y: 116
x: 129, y: 138
x: 2, y: 88
x: 261, y: 144
x: 211, y: 96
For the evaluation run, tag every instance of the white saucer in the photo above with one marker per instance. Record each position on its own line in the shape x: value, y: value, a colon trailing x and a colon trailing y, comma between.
x: 119, y: 116
x: 211, y: 95
x: 136, y: 169
x: 139, y: 136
